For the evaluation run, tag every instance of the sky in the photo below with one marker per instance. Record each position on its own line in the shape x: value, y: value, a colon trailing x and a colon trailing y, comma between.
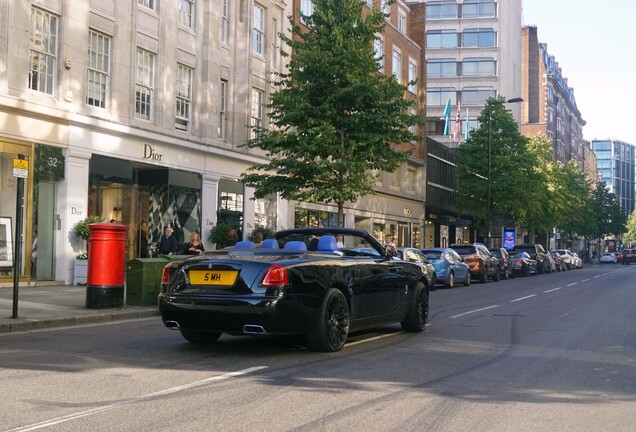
x: 594, y: 45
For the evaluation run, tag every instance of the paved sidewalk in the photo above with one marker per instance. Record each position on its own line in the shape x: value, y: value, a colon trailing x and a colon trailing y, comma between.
x: 59, y: 305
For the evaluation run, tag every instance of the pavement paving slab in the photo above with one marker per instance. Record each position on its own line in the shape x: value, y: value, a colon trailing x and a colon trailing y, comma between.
x: 49, y: 306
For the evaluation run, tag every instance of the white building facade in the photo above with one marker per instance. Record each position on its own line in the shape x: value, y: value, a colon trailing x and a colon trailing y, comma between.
x: 133, y: 110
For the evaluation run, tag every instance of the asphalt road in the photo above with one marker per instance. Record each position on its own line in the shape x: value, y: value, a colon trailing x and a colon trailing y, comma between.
x: 547, y: 353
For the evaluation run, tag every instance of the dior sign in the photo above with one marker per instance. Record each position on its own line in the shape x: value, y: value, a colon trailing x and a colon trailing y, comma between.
x: 151, y: 154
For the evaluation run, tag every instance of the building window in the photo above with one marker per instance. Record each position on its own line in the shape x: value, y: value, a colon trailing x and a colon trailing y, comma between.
x: 441, y: 68
x: 396, y: 65
x: 438, y: 96
x: 484, y: 37
x: 43, y: 50
x: 441, y: 9
x: 441, y: 39
x: 306, y: 9
x: 477, y: 95
x: 394, y: 178
x: 401, y: 24
x: 223, y: 111
x: 186, y: 13
x: 478, y: 8
x: 385, y: 8
x: 478, y: 66
x: 183, y: 108
x: 550, y: 93
x: 225, y: 21
x: 98, y: 69
x: 150, y: 4
x: 258, y: 30
x: 144, y: 84
x: 412, y: 76
x: 257, y: 110
x: 378, y: 48
x: 275, y: 44
x: 411, y: 175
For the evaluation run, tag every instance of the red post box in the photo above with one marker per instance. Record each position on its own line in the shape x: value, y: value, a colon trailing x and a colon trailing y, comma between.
x: 106, y: 261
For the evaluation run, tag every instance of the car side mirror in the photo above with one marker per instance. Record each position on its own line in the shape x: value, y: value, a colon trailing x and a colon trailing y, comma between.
x: 390, y: 251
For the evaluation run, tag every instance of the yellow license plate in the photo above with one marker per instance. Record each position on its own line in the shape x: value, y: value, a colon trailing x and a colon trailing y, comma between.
x: 213, y: 277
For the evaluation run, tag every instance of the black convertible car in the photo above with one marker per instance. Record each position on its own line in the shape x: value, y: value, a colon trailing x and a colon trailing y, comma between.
x: 319, y: 282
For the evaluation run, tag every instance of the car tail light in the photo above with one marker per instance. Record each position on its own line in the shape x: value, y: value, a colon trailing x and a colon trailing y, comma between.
x: 165, y: 276
x: 519, y: 261
x: 276, y: 276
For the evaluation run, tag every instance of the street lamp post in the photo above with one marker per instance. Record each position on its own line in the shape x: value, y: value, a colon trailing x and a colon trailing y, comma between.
x: 489, y: 203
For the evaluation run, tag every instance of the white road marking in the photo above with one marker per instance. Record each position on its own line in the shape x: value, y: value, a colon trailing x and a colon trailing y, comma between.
x: 372, y: 339
x: 573, y: 283
x: 522, y: 298
x: 585, y: 280
x: 474, y: 311
x: 99, y: 409
x: 553, y: 289
x: 596, y: 276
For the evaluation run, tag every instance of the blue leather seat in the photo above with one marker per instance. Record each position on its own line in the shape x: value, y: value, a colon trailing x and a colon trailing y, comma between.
x: 327, y: 243
x: 296, y: 245
x: 270, y: 244
x: 244, y: 245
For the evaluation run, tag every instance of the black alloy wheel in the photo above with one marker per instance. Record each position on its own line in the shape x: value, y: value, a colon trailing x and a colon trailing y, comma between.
x: 526, y: 272
x: 467, y: 280
x: 332, y: 324
x: 417, y: 316
x: 483, y: 276
x: 495, y: 275
x: 199, y: 336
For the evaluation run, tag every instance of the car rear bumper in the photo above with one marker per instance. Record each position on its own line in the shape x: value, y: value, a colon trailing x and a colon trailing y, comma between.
x: 230, y: 314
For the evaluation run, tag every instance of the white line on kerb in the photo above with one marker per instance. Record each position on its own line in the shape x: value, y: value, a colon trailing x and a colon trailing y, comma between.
x: 473, y: 311
x: 553, y: 289
x: 85, y: 413
x: 522, y: 298
x: 573, y: 283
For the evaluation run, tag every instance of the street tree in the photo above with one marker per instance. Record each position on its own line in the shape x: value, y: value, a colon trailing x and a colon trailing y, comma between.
x: 609, y: 216
x: 334, y: 119
x: 512, y: 174
x: 630, y: 235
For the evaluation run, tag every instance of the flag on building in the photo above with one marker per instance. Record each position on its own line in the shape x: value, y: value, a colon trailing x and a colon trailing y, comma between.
x: 458, y: 121
x: 467, y: 133
x: 446, y: 117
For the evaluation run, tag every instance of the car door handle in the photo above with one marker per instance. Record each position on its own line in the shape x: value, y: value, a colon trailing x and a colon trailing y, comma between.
x: 394, y: 269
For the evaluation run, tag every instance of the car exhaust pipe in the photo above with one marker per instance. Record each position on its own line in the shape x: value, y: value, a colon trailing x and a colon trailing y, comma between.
x: 173, y: 325
x: 253, y: 329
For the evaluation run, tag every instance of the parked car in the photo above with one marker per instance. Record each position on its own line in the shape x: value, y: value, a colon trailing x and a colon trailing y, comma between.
x: 628, y: 256
x: 608, y: 257
x: 323, y: 294
x: 524, y: 264
x: 449, y: 267
x: 559, y: 261
x: 482, y: 264
x: 537, y: 253
x: 416, y: 256
x: 577, y: 261
x: 505, y: 262
x: 566, y: 255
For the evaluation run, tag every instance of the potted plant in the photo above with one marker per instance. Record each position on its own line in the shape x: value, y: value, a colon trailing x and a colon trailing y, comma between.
x: 80, y: 230
x: 260, y: 233
x: 223, y: 235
